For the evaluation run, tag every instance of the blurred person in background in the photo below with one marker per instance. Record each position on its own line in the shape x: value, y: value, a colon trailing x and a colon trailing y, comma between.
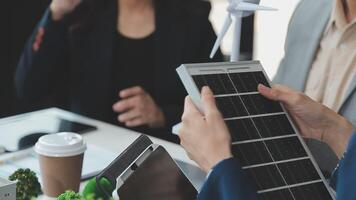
x: 320, y: 60
x: 116, y: 59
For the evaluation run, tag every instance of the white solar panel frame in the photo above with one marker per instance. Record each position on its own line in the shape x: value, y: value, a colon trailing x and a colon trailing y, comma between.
x: 186, y: 71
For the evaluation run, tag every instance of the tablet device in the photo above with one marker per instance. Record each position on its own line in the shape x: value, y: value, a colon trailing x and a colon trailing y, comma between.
x: 154, y: 175
x: 75, y: 127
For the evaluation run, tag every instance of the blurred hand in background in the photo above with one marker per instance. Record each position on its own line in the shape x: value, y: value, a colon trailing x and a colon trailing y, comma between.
x: 138, y: 108
x: 61, y: 8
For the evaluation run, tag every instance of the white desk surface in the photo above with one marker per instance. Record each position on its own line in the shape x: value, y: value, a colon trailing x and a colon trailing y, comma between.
x: 107, y: 136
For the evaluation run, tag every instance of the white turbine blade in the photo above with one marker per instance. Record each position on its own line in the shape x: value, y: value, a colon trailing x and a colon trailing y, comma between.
x: 225, y: 28
x: 243, y: 6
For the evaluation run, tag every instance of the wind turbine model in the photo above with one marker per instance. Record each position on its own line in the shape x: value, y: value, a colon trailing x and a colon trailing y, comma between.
x: 236, y: 9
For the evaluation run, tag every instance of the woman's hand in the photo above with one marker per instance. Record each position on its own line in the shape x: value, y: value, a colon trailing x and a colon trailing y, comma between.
x: 61, y: 8
x: 137, y: 108
x: 205, y: 138
x: 313, y: 119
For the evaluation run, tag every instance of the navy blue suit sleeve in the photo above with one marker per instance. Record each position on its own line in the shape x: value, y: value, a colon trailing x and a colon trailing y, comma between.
x: 228, y: 181
x: 345, y: 175
x: 44, y: 60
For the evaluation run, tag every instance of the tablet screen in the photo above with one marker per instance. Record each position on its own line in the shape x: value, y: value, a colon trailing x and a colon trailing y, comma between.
x: 157, y: 178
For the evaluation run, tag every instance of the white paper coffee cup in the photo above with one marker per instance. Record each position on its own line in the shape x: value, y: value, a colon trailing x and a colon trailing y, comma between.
x: 61, y: 160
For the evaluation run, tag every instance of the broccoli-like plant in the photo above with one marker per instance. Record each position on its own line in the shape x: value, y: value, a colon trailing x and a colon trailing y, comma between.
x: 27, y: 186
x: 70, y: 195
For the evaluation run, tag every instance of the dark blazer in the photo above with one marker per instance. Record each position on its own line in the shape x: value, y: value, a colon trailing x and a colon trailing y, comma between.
x: 228, y: 181
x: 79, y: 60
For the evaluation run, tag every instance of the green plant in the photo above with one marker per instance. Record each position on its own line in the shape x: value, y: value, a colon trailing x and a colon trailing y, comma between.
x: 27, y: 186
x: 70, y: 195
x: 93, y: 197
x: 92, y: 192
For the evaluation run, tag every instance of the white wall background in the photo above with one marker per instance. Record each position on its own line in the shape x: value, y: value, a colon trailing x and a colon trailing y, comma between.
x: 270, y: 27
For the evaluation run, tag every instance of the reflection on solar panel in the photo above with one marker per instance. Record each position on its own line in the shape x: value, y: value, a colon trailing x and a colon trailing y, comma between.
x: 263, y: 138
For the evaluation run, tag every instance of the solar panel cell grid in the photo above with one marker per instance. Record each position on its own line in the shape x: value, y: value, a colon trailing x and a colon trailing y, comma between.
x: 231, y: 106
x: 254, y: 153
x: 259, y: 127
x: 221, y: 83
x: 286, y: 148
x: 295, y: 172
x: 315, y: 191
x: 272, y: 126
x: 266, y: 177
x: 248, y: 81
x: 298, y: 171
x: 263, y: 138
x: 284, y: 194
x: 242, y: 129
x: 256, y: 104
x: 251, y: 153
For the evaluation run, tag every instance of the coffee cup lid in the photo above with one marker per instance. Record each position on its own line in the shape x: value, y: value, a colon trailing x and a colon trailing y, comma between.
x: 60, y: 145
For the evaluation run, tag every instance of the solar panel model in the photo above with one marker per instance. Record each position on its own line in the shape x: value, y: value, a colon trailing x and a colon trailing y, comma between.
x: 264, y: 138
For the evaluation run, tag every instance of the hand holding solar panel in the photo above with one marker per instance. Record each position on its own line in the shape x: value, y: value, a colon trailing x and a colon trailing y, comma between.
x: 314, y: 120
x: 205, y: 138
x: 263, y: 137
